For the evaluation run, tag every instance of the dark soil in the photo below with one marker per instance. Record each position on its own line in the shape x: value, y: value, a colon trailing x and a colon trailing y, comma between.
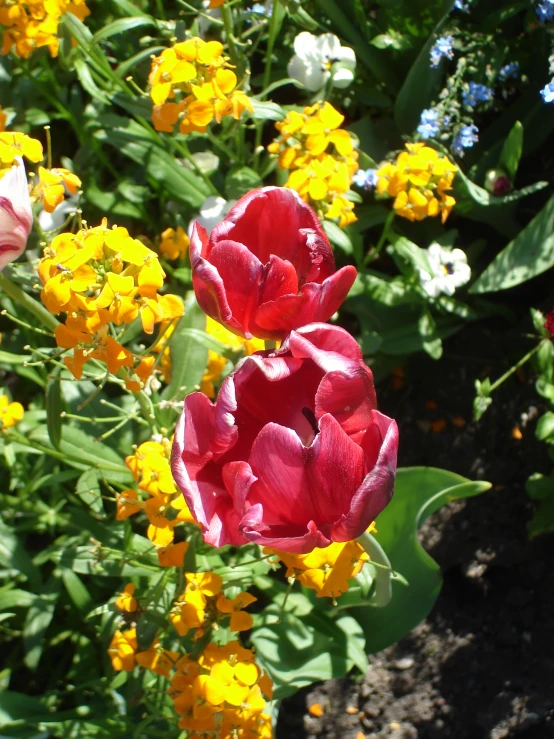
x: 481, y: 666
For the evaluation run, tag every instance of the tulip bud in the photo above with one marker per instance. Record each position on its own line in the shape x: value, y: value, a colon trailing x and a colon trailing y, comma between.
x: 497, y: 182
x: 16, y: 216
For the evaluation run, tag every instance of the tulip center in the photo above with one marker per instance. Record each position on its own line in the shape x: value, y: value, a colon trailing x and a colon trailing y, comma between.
x: 314, y: 431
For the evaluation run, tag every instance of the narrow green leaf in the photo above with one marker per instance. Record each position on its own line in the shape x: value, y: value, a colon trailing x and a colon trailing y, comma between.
x: 337, y: 236
x: 121, y: 26
x: 431, y: 341
x: 265, y: 110
x: 88, y: 83
x: 11, y: 359
x: 76, y: 590
x: 512, y: 150
x: 39, y: 617
x: 188, y: 355
x: 54, y: 408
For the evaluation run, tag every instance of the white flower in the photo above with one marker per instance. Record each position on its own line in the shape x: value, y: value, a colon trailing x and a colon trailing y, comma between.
x: 212, y: 211
x: 449, y: 270
x: 55, y: 220
x: 317, y: 58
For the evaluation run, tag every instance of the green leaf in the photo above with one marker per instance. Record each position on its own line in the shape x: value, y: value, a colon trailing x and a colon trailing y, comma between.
x: 14, y: 556
x: 298, y: 651
x: 39, y: 617
x: 241, y: 180
x: 11, y: 359
x: 512, y: 150
x: 411, y: 252
x: 121, y: 26
x: 54, y: 408
x: 545, y: 427
x: 421, y: 78
x: 265, y: 110
x: 337, y: 236
x: 188, y: 355
x: 88, y: 489
x: 20, y: 708
x: 420, y: 491
x: 430, y: 338
x: 87, y: 81
x: 82, y: 599
x: 530, y: 254
x: 147, y: 149
x: 15, y: 598
x: 541, y: 489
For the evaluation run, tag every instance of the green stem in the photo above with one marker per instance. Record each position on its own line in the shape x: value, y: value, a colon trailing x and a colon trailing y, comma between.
x: 227, y: 17
x: 515, y: 368
x: 29, y: 303
x: 372, y: 255
x: 383, y: 587
x: 267, y: 76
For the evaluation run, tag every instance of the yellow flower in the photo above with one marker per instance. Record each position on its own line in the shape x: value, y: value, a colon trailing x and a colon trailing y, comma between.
x: 157, y: 659
x: 122, y: 650
x: 174, y: 243
x: 52, y: 184
x: 418, y: 181
x: 18, y: 144
x: 125, y: 601
x: 173, y: 555
x: 10, y: 413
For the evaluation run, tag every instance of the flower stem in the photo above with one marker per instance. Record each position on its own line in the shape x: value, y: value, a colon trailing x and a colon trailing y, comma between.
x: 383, y: 575
x: 516, y: 366
x: 26, y: 301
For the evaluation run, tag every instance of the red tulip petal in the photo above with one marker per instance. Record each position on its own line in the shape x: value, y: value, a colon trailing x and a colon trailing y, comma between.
x: 251, y: 526
x: 350, y: 397
x: 314, y: 303
x: 377, y: 488
x: 206, y: 431
x: 280, y: 279
x: 238, y: 479
x: 330, y: 347
x: 241, y: 273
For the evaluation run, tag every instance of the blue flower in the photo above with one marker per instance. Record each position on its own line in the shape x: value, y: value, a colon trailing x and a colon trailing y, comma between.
x: 476, y: 94
x: 509, y: 71
x: 465, y: 138
x: 548, y: 93
x: 428, y: 124
x: 260, y: 9
x: 366, y: 178
x: 461, y: 5
x: 441, y: 48
x: 545, y: 10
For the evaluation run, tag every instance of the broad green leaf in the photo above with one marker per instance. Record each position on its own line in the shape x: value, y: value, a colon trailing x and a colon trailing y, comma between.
x: 88, y: 489
x: 530, y: 254
x: 545, y: 427
x: 188, y: 355
x: 419, y: 492
x: 512, y: 150
x: 18, y: 707
x: 121, y: 26
x: 14, y: 556
x: 541, y: 489
x: 241, y: 180
x: 39, y: 617
x: 15, y: 598
x: 298, y: 651
x: 54, y: 408
x: 265, y: 110
x: 412, y: 253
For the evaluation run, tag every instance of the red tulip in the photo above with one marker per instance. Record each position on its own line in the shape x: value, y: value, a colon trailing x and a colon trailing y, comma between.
x: 268, y: 267
x: 293, y: 455
x: 16, y: 216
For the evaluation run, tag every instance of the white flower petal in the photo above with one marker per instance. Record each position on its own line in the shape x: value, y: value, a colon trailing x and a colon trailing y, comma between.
x: 343, y: 77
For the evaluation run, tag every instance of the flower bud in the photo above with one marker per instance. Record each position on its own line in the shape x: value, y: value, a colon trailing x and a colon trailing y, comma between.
x: 497, y: 182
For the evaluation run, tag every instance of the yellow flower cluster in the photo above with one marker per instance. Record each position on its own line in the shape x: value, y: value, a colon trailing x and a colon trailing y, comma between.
x: 100, y: 276
x: 166, y: 506
x: 202, y: 604
x: 321, y: 158
x: 419, y: 182
x: 30, y: 24
x: 195, y: 75
x: 222, y: 695
x: 50, y: 188
x: 16, y: 144
x: 327, y: 571
x: 10, y: 413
